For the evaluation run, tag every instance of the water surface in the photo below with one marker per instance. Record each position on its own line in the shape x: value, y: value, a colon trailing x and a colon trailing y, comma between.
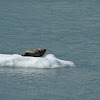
x: 69, y: 30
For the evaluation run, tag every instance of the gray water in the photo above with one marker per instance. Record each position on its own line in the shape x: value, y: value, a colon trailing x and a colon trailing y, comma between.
x: 68, y: 29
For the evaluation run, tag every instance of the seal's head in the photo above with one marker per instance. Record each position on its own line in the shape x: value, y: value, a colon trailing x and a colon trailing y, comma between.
x: 42, y: 50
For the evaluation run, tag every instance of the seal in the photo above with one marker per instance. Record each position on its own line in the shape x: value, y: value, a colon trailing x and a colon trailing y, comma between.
x: 35, y: 52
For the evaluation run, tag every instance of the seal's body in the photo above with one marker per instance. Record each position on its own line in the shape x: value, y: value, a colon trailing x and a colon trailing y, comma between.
x: 35, y: 52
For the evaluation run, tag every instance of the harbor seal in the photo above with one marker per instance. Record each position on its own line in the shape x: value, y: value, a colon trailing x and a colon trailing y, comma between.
x: 35, y: 52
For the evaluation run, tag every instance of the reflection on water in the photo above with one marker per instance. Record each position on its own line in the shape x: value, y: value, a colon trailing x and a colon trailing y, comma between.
x: 23, y: 70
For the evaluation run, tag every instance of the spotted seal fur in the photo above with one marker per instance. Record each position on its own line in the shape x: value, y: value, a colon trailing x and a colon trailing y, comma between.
x: 35, y: 52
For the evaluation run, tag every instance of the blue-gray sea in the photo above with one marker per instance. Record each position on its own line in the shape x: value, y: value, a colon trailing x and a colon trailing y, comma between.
x: 69, y: 30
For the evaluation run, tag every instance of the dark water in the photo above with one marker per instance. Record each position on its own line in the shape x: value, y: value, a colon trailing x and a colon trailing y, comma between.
x: 70, y: 30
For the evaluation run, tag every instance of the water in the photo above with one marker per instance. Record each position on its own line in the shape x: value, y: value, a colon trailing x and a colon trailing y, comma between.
x: 70, y: 32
